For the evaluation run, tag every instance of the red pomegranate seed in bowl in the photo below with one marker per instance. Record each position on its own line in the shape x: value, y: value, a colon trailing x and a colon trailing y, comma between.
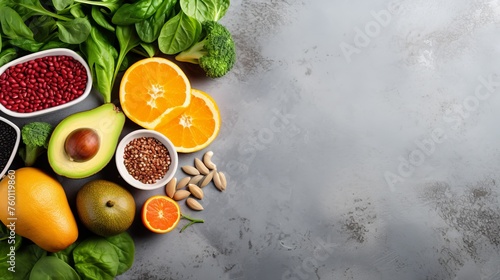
x: 43, y: 82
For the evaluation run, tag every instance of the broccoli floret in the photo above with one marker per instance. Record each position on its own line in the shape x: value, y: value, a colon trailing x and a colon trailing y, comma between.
x: 215, y: 52
x: 35, y: 137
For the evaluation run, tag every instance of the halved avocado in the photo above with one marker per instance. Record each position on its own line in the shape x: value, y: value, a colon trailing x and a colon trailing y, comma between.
x: 106, y: 121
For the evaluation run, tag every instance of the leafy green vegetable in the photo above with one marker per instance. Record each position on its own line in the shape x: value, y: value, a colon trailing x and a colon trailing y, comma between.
x: 13, y: 25
x: 178, y: 34
x: 128, y: 39
x: 215, y: 53
x: 66, y: 255
x: 50, y: 267
x: 37, y: 9
x: 101, y: 56
x: 125, y: 248
x: 135, y: 12
x: 111, y: 5
x: 26, y: 44
x: 149, y: 29
x: 77, y: 11
x: 7, y: 56
x: 42, y: 27
x: 35, y: 137
x: 96, y: 258
x: 61, y: 4
x: 205, y: 10
x: 100, y: 19
x: 75, y: 31
x: 26, y: 257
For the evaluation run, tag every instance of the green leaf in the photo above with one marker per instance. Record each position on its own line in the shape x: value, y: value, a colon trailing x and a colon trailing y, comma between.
x: 7, y: 56
x: 26, y: 257
x: 101, y: 19
x: 61, y: 4
x: 150, y: 28
x: 13, y: 25
x: 125, y: 248
x: 50, y: 267
x: 178, y: 34
x: 127, y: 39
x: 42, y: 27
x: 205, y: 10
x: 136, y: 12
x: 77, y: 11
x: 66, y: 255
x: 75, y: 31
x: 27, y: 44
x: 96, y: 258
x: 101, y: 57
x: 150, y: 49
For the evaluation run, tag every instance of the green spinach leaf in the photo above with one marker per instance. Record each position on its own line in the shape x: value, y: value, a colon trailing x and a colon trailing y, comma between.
x: 66, y: 255
x: 13, y: 25
x: 75, y: 31
x: 61, y: 4
x: 205, y: 10
x: 136, y: 12
x: 101, y: 56
x: 111, y: 5
x: 57, y: 44
x: 150, y: 49
x: 50, y: 267
x: 27, y: 44
x: 149, y: 29
x: 26, y: 257
x: 33, y: 7
x: 125, y: 248
x: 101, y: 19
x: 127, y: 39
x: 7, y: 55
x: 178, y: 34
x: 95, y: 258
x: 77, y: 11
x: 42, y: 27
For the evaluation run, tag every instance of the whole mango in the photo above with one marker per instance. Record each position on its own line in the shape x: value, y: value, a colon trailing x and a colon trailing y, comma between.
x: 36, y: 207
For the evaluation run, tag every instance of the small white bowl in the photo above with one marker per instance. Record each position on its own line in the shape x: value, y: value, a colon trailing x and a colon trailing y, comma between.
x: 14, y: 149
x: 51, y: 52
x: 174, y: 160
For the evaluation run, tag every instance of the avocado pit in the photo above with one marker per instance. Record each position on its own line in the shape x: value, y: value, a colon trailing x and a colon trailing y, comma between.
x: 82, y: 144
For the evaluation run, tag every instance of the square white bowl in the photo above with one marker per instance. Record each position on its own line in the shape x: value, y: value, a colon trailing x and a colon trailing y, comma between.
x: 14, y: 149
x: 174, y: 159
x: 51, y: 52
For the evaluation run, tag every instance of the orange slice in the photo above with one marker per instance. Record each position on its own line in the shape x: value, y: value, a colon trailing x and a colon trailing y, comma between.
x: 196, y: 127
x: 154, y: 90
x: 160, y: 214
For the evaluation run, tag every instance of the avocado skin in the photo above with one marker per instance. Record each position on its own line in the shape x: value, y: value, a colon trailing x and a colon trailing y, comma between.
x: 107, y: 120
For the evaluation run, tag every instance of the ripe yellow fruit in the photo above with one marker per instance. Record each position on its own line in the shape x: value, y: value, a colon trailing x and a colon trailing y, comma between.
x: 39, y: 209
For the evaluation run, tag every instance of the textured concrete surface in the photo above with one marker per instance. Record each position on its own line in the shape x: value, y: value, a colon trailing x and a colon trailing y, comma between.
x: 360, y: 140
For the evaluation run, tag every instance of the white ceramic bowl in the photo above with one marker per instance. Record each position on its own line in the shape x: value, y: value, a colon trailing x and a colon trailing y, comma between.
x: 51, y: 52
x: 14, y: 149
x: 174, y: 160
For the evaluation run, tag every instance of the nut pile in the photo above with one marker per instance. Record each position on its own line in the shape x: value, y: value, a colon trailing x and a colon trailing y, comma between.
x: 42, y: 83
x: 146, y: 159
x: 197, y: 177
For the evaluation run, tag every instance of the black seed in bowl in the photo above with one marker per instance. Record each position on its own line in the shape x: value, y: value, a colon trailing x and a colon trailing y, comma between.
x: 8, y: 138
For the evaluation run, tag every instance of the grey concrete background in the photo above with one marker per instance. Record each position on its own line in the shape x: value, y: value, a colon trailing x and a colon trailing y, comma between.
x: 360, y: 140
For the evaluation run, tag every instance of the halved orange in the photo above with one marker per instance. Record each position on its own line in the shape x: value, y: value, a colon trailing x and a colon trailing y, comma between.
x: 196, y: 127
x: 160, y: 214
x: 154, y: 90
